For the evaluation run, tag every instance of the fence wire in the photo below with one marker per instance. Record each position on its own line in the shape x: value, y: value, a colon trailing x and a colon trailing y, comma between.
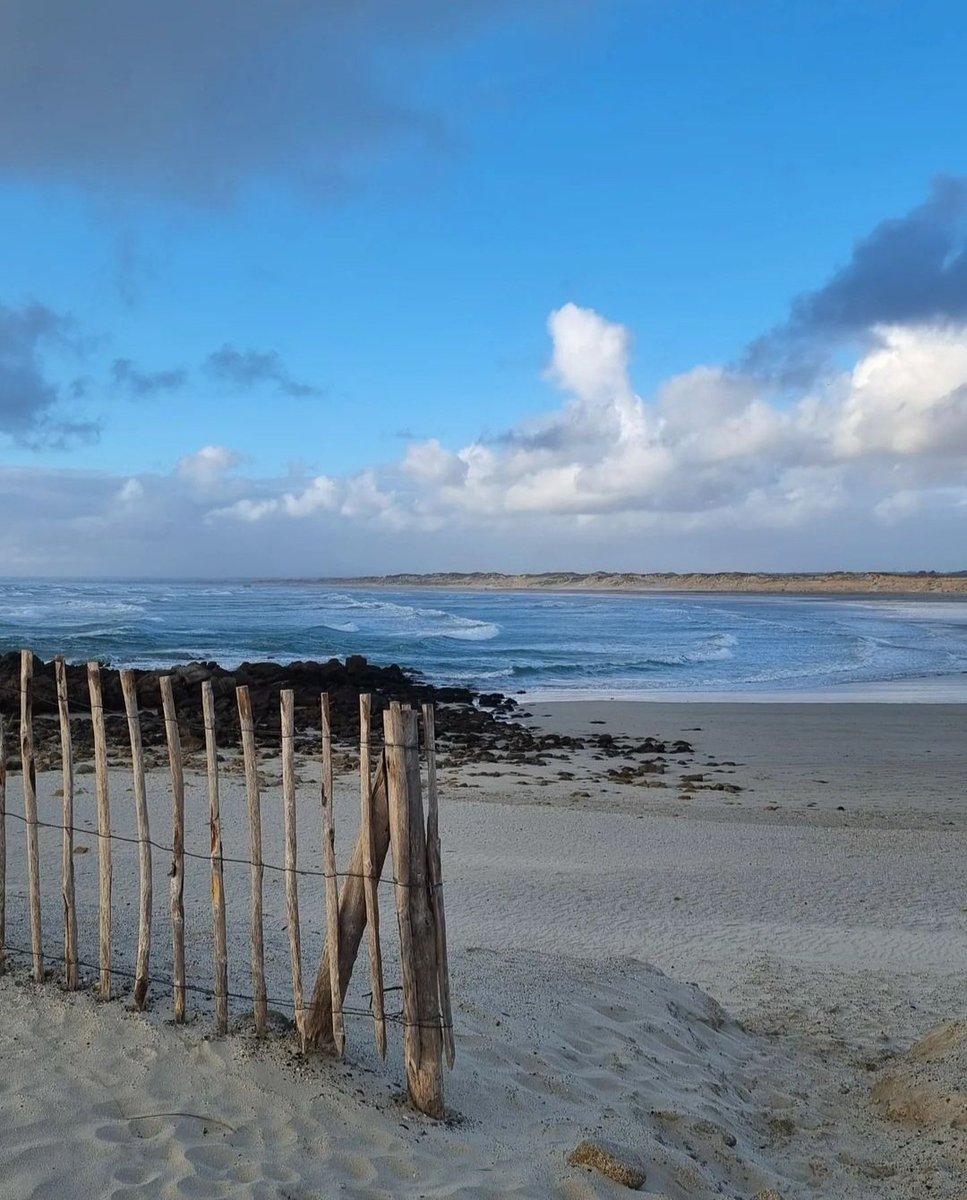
x: 198, y: 729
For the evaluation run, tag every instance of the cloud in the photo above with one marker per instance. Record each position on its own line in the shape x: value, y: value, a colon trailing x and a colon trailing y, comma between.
x: 141, y: 384
x: 29, y: 399
x: 196, y: 98
x: 131, y: 491
x: 251, y: 368
x: 713, y: 448
x: 208, y: 465
x: 911, y: 270
x: 320, y: 495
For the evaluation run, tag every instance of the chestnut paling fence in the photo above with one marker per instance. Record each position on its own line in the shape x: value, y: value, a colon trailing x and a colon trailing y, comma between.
x: 392, y: 824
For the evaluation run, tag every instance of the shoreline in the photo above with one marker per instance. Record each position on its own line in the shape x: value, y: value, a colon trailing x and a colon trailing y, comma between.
x: 926, y: 689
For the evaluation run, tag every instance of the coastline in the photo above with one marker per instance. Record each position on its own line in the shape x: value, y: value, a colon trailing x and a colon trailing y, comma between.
x: 840, y: 584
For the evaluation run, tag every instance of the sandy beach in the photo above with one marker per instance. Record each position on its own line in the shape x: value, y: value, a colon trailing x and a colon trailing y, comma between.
x: 732, y: 984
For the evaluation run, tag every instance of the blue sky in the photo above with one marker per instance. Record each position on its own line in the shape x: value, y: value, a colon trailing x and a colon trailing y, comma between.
x: 379, y: 213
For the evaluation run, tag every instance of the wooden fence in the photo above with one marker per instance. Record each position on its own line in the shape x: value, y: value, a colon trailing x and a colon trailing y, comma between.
x: 392, y: 820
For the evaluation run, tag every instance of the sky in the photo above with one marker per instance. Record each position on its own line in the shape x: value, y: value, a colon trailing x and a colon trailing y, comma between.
x: 323, y: 287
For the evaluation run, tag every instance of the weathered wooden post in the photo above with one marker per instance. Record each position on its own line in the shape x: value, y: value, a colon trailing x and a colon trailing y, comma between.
x: 219, y: 933
x: 67, y: 841
x: 259, y: 1002
x: 435, y: 872
x: 367, y: 838
x: 102, y: 787
x: 177, y: 873
x: 423, y: 1047
x: 142, y: 969
x: 29, y: 770
x: 332, y: 887
x: 287, y: 705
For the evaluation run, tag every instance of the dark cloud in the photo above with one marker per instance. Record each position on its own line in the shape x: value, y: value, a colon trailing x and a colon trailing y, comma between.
x: 28, y: 398
x: 195, y: 97
x: 142, y: 384
x: 251, y: 368
x: 552, y: 437
x: 909, y: 270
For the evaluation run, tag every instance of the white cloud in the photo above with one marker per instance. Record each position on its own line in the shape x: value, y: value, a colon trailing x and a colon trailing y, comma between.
x: 717, y: 469
x: 430, y: 462
x: 321, y: 494
x: 207, y: 465
x: 131, y: 491
x: 908, y: 396
x: 714, y: 447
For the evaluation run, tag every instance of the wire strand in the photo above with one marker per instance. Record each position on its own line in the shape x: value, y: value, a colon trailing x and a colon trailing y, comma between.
x: 396, y: 1018
x: 245, y: 862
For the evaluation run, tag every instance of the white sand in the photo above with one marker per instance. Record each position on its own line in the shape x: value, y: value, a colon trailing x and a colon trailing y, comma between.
x: 834, y: 939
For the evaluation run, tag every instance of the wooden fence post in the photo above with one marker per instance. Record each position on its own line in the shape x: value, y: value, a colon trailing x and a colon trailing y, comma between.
x: 332, y: 886
x: 142, y: 970
x: 287, y: 707
x: 177, y: 873
x: 259, y: 1003
x: 421, y: 1011
x: 219, y: 937
x: 29, y: 770
x: 435, y: 872
x: 67, y: 842
x: 369, y: 870
x: 103, y: 824
x: 3, y: 848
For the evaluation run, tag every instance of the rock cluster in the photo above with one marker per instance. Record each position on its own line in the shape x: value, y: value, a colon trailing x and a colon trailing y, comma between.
x: 457, y: 713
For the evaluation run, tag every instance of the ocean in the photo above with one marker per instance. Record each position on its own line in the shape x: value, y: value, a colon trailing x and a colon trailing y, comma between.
x: 538, y: 644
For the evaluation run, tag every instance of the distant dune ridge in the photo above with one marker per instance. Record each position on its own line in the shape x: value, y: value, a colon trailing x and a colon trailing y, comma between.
x: 887, y: 582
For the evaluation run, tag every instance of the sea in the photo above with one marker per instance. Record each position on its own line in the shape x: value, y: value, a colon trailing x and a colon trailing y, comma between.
x: 535, y: 644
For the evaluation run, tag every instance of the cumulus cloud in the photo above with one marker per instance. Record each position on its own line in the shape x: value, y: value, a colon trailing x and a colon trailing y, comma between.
x: 194, y: 98
x: 714, y: 447
x: 254, y: 368
x: 321, y: 494
x: 31, y: 411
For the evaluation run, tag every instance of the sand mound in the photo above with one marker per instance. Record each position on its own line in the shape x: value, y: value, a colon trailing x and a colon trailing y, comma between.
x: 97, y: 1101
x: 924, y: 1088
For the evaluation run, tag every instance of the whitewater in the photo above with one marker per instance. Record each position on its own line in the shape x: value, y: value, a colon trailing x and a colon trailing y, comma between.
x: 528, y: 643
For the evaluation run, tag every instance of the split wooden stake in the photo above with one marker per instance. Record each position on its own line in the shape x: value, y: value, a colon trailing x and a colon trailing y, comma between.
x: 287, y: 705
x: 435, y: 871
x: 332, y: 887
x: 220, y: 936
x: 369, y: 871
x: 177, y: 873
x: 102, y: 787
x: 352, y: 920
x: 142, y: 968
x: 67, y: 841
x: 29, y: 770
x: 260, y: 1005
